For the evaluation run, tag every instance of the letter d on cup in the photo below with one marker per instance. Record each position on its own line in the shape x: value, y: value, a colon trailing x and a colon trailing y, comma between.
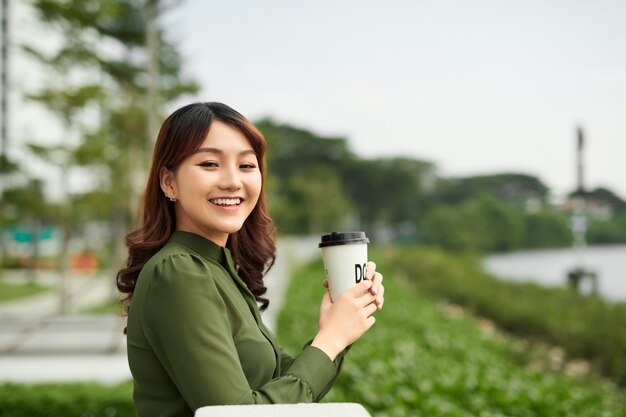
x: 358, y: 273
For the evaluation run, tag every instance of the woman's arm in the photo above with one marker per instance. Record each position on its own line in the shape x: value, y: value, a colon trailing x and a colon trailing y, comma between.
x: 188, y: 327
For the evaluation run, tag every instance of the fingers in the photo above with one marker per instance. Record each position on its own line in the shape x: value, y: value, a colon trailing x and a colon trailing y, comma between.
x: 361, y: 294
x: 366, y: 298
x: 370, y: 309
x: 361, y: 287
x: 377, y: 283
x: 380, y: 298
x: 380, y: 302
x: 370, y: 270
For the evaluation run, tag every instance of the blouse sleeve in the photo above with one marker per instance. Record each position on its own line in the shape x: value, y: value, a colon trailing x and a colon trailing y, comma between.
x: 286, y: 360
x: 186, y: 323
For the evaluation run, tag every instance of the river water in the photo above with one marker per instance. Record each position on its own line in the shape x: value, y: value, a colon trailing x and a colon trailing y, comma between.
x: 550, y: 267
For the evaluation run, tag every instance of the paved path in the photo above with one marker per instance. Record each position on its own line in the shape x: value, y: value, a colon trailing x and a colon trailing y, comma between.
x: 38, y: 344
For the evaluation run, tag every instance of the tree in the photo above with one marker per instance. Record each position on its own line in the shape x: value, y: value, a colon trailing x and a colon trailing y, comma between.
x: 515, y: 188
x: 389, y: 192
x: 483, y: 223
x: 306, y: 193
x: 608, y: 231
x: 311, y: 202
x: 546, y: 229
x: 104, y: 48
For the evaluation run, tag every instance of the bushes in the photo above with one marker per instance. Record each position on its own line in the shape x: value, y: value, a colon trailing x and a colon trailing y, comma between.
x: 586, y: 327
x: 67, y: 400
x: 422, y: 359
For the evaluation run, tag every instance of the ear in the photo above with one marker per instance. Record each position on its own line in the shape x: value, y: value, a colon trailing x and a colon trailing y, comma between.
x: 167, y: 182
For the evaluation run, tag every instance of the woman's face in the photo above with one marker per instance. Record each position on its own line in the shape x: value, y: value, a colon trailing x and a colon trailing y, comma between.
x: 217, y: 187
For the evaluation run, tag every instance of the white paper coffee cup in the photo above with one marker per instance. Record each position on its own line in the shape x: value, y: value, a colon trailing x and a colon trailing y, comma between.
x: 345, y: 260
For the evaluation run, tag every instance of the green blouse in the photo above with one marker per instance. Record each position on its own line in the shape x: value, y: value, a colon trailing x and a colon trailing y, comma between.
x: 195, y: 338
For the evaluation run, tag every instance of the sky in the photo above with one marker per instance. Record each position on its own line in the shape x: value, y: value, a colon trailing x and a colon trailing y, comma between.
x: 476, y: 87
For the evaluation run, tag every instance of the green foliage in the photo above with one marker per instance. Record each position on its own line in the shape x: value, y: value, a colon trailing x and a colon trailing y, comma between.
x: 100, y: 67
x: 310, y: 202
x: 69, y: 400
x: 7, y: 165
x: 306, y: 191
x: 316, y: 184
x: 486, y: 223
x: 11, y: 291
x: 294, y: 150
x: 546, y: 228
x: 517, y: 188
x: 421, y: 360
x: 608, y: 231
x: 586, y: 327
x: 26, y: 204
x: 109, y: 307
x: 388, y: 191
x: 604, y: 197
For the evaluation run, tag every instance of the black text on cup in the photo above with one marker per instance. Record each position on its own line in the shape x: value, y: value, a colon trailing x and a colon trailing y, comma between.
x: 359, y: 272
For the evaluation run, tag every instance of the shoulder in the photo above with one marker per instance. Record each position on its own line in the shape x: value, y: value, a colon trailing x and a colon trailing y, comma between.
x: 175, y: 262
x: 174, y: 254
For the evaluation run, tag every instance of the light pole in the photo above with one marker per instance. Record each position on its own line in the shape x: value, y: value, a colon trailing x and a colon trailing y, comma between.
x: 579, y: 222
x: 4, y: 113
x: 4, y: 82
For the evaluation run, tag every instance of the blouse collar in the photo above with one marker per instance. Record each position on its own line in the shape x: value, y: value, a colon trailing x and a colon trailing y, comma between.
x: 211, y: 250
x: 204, y: 247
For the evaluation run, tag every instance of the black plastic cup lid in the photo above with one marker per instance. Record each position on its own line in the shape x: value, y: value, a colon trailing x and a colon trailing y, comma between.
x: 343, y: 238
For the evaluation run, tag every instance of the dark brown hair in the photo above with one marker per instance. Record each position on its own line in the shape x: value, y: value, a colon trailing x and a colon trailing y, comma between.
x: 253, y: 247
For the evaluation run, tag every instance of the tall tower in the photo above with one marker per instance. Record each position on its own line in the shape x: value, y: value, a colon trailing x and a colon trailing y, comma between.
x: 580, y: 167
x: 580, y: 273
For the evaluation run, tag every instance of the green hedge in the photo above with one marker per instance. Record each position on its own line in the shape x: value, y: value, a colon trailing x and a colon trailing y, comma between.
x: 67, y: 400
x: 423, y: 359
x: 586, y: 327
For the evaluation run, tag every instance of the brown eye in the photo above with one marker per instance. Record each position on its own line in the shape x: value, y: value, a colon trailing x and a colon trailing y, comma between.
x: 208, y: 164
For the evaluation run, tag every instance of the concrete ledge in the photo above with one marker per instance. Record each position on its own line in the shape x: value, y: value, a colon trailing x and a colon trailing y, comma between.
x: 285, y: 410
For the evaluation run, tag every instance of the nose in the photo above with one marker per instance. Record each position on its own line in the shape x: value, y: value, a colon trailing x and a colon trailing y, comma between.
x: 230, y: 179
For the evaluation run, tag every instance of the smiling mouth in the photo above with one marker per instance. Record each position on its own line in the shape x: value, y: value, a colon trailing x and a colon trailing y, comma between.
x: 226, y: 202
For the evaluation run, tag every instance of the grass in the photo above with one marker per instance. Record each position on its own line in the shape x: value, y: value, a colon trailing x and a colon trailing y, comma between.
x: 424, y: 358
x: 109, y: 307
x: 10, y: 291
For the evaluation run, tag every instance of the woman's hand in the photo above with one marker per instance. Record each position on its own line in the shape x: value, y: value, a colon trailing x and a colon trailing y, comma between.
x: 344, y: 321
x: 377, y: 288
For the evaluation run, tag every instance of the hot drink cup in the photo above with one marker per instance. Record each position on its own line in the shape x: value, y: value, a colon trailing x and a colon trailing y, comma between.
x: 345, y: 260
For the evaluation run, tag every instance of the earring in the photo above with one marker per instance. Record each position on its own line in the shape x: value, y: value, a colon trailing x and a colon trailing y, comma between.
x: 172, y: 199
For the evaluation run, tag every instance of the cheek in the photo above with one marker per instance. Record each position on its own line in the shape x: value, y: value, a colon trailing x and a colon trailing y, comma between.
x: 255, y: 187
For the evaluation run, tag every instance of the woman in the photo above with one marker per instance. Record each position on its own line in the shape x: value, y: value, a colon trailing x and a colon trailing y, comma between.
x: 195, y: 275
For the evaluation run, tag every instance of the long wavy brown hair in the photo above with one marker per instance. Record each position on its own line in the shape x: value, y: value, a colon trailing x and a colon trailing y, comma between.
x: 253, y: 247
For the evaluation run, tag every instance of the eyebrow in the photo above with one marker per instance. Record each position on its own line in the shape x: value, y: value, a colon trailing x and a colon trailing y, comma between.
x: 220, y: 152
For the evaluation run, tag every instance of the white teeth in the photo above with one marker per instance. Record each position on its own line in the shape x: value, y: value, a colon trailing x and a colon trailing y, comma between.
x: 226, y: 201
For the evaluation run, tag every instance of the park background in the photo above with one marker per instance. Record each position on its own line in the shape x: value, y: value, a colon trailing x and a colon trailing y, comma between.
x: 447, y: 132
